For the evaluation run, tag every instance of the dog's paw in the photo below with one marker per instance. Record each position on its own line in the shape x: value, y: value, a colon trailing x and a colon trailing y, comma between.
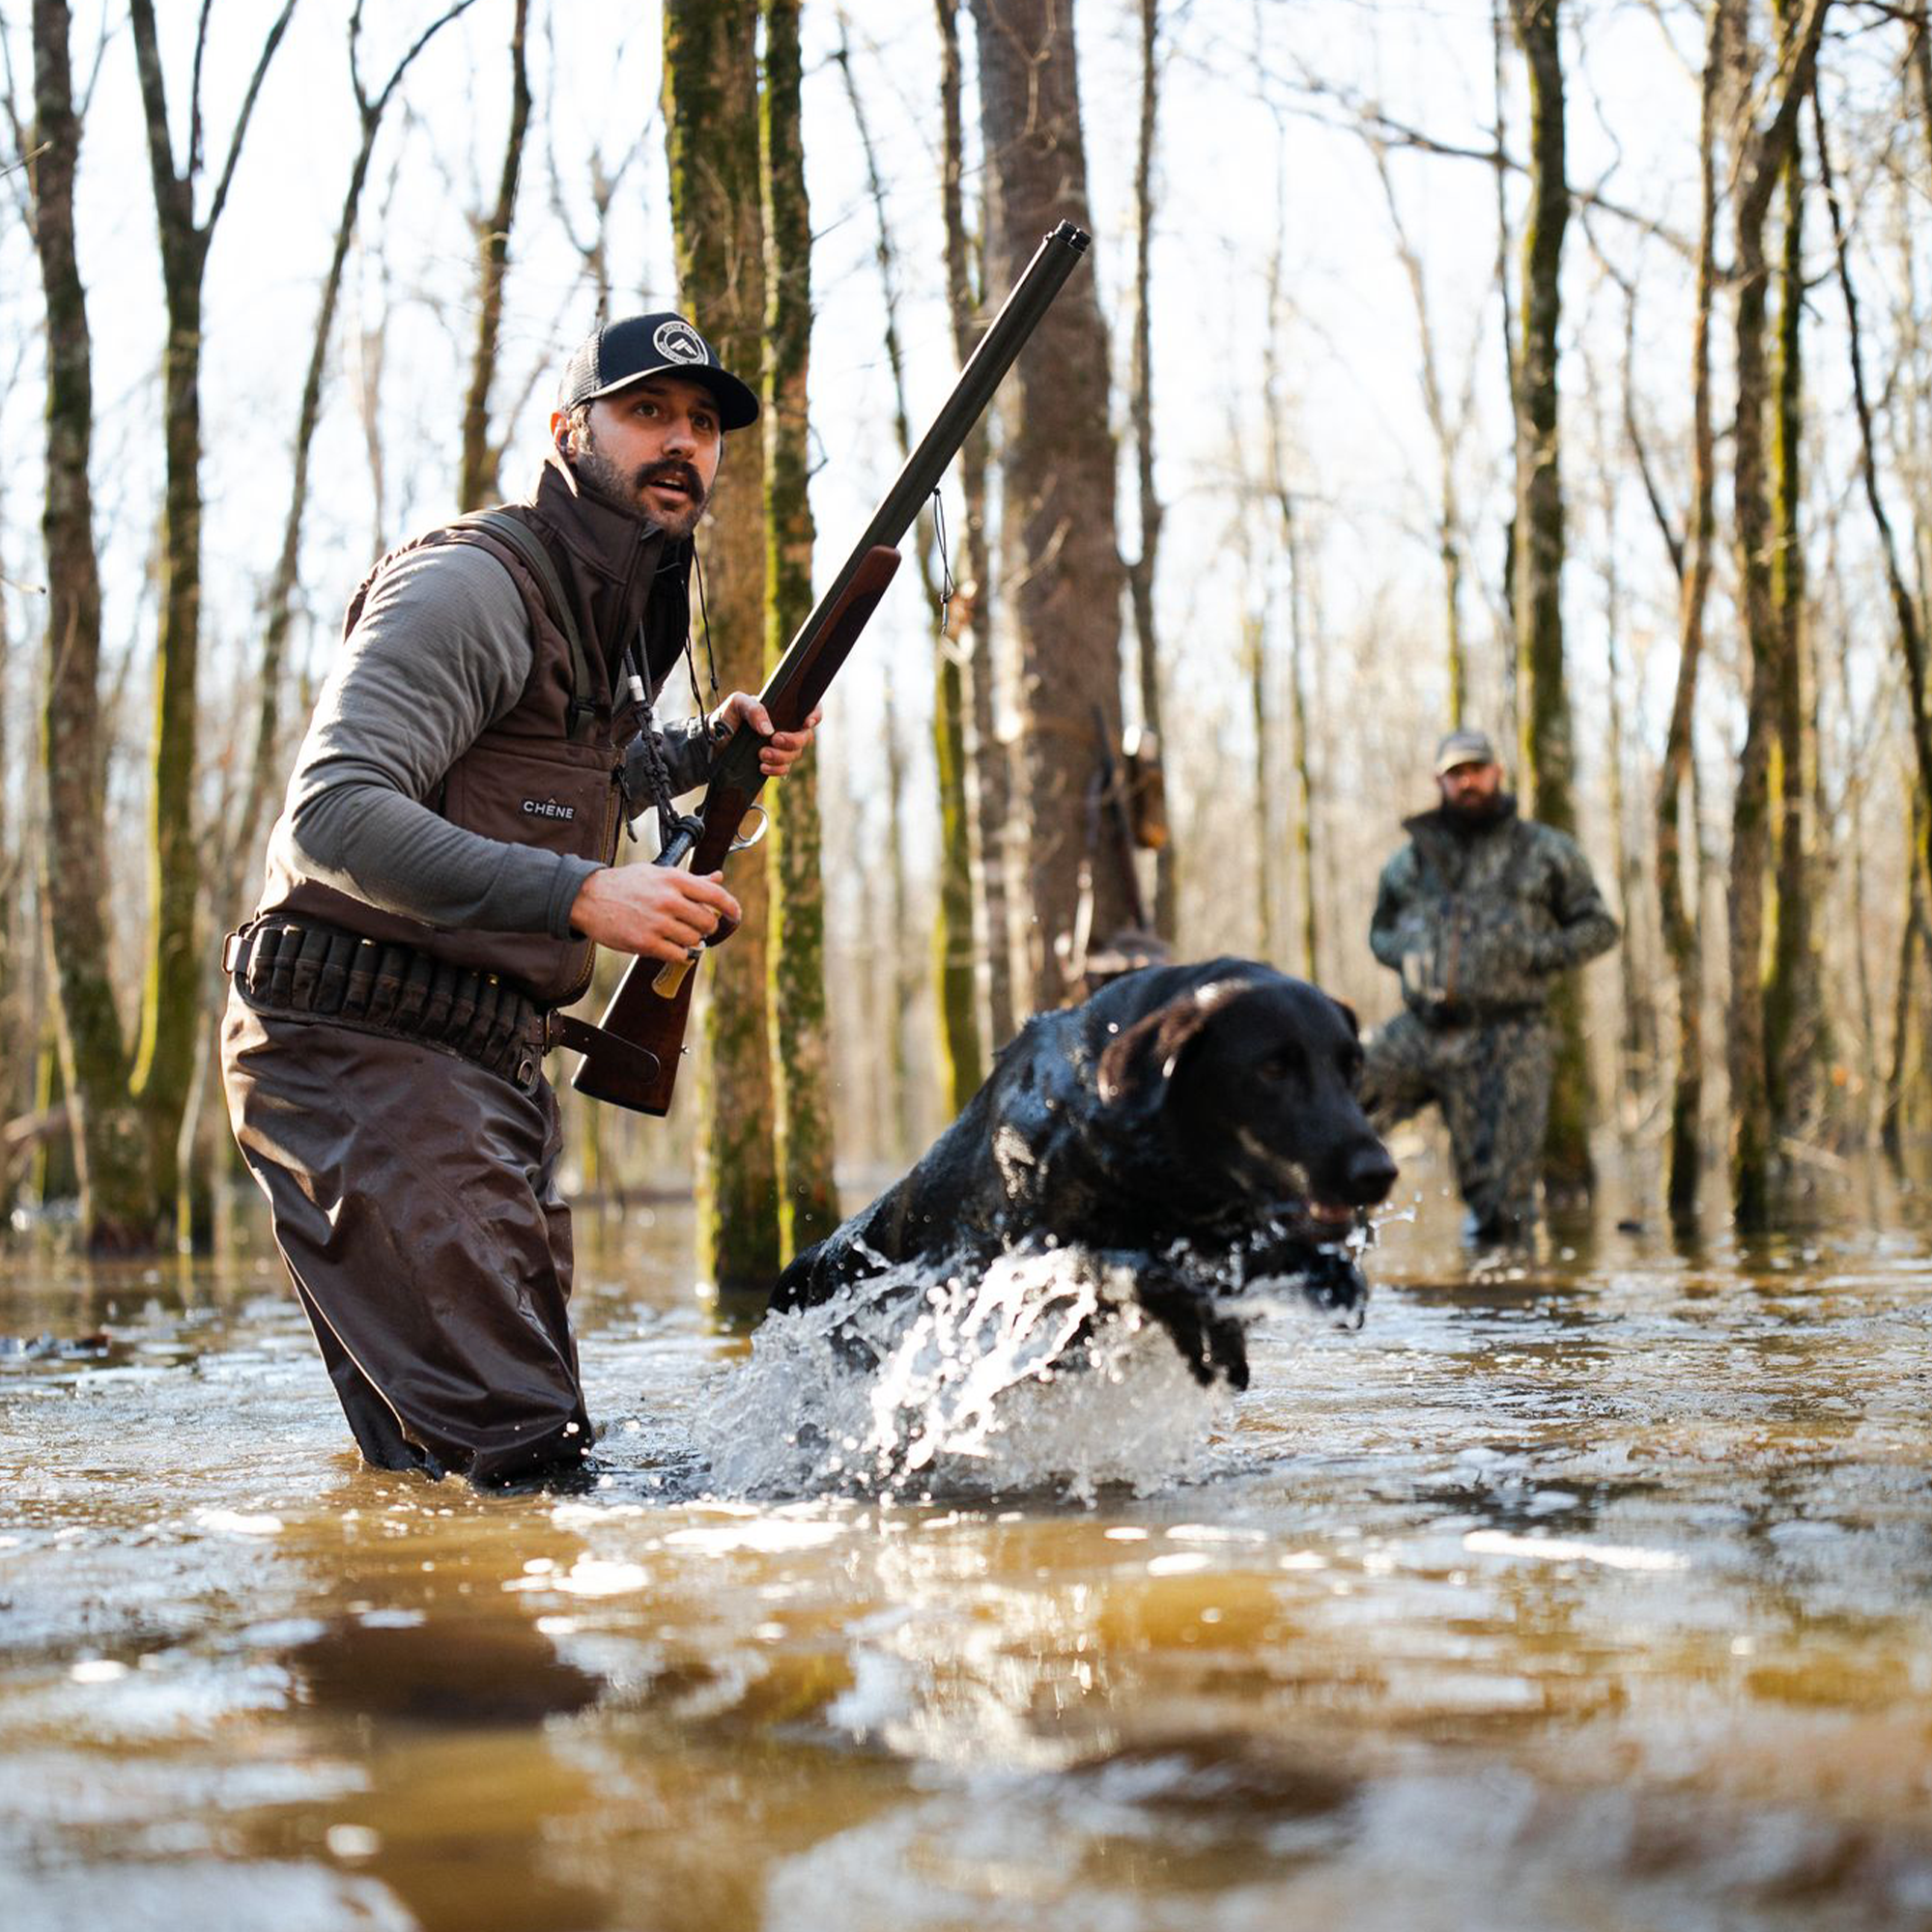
x: 1333, y: 1285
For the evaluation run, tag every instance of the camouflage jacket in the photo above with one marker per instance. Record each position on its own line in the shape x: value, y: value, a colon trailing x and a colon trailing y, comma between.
x: 1481, y: 918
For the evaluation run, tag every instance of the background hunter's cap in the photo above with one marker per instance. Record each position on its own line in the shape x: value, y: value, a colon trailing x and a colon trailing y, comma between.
x: 623, y: 353
x: 1463, y: 748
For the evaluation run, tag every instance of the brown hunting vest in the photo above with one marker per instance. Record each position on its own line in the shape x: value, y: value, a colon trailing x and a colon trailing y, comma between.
x: 547, y: 773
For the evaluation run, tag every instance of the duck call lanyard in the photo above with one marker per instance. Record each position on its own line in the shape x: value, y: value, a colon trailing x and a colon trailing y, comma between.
x: 657, y: 774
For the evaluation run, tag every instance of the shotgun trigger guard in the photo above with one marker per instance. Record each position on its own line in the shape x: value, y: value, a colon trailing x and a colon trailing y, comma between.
x: 743, y: 840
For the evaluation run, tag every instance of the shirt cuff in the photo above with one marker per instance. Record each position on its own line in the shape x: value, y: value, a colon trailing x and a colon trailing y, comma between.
x: 565, y: 886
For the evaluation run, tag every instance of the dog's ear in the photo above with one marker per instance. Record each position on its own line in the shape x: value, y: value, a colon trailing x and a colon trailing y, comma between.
x: 1138, y: 1064
x: 1349, y: 1015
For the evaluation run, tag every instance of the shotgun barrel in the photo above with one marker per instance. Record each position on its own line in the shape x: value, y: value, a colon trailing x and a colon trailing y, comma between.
x: 647, y: 1015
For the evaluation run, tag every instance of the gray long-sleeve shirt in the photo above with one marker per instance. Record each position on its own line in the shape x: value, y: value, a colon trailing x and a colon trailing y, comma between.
x: 440, y: 652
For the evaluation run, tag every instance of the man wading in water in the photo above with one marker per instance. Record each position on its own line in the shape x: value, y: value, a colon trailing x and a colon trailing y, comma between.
x: 438, y: 884
x: 1479, y: 913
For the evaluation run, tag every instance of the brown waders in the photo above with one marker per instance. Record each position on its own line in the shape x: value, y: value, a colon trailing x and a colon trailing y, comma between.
x: 415, y: 1202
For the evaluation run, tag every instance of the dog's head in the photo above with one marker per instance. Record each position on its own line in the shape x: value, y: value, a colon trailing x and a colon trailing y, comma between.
x: 1249, y: 1079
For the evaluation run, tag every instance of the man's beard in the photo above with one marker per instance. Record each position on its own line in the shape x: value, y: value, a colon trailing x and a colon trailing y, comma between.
x: 1478, y: 812
x: 605, y: 480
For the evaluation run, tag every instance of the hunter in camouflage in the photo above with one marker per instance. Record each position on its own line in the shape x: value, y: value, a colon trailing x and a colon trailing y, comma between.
x: 1478, y: 913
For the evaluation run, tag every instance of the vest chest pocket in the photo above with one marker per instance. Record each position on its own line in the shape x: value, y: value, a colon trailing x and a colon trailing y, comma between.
x: 559, y: 798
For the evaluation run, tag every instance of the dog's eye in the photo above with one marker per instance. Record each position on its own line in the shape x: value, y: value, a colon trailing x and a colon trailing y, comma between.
x: 1283, y: 1065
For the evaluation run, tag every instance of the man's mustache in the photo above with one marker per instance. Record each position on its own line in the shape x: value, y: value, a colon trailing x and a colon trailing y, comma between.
x: 682, y: 475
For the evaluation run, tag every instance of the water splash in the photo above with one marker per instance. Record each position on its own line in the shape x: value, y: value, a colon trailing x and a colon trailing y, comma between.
x: 1041, y: 1375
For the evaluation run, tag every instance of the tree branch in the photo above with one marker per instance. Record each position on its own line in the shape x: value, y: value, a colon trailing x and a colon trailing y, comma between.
x: 196, y: 128
x: 242, y: 120
x: 1395, y: 133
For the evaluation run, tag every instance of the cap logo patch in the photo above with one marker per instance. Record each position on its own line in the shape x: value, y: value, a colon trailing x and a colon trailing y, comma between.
x: 678, y: 342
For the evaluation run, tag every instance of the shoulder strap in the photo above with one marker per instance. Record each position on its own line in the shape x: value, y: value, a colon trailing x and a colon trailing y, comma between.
x: 518, y: 535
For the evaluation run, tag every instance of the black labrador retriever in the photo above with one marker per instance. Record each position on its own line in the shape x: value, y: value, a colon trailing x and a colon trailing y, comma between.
x: 1192, y: 1128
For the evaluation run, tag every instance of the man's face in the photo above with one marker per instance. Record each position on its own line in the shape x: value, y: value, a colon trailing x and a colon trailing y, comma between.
x: 1470, y: 787
x: 655, y: 445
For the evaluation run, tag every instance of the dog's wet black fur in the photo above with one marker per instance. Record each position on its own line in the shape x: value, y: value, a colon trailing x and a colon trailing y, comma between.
x: 1191, y: 1129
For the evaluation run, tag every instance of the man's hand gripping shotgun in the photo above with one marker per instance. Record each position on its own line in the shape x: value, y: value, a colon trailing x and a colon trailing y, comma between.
x: 631, y: 1058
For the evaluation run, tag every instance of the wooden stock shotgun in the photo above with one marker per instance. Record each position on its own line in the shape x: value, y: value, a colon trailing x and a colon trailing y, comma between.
x: 631, y: 1058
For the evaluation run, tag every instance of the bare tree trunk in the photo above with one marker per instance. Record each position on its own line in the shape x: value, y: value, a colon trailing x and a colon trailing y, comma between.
x: 1062, y: 553
x: 1499, y: 37
x: 1301, y: 804
x: 1300, y: 648
x: 117, y: 1202
x: 1140, y: 384
x: 900, y: 978
x: 1912, y: 644
x: 1254, y: 660
x: 1548, y: 755
x: 1859, y: 765
x: 711, y: 125
x: 988, y: 779
x: 1638, y: 1056
x: 15, y: 1041
x: 1448, y: 439
x: 1763, y: 152
x: 1637, y: 1039
x: 165, y: 1060
x: 807, y: 1197
x: 952, y: 935
x: 1797, y: 1039
x: 1677, y: 898
x: 1906, y: 1074
x: 476, y: 483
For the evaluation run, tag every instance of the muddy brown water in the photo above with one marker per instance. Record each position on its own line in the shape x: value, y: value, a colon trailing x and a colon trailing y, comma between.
x: 1586, y: 1591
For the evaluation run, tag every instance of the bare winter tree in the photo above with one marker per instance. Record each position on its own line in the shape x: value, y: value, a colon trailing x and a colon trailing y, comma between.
x: 1692, y: 556
x: 807, y: 1197
x: 476, y: 482
x: 1060, y: 565
x: 1547, y: 752
x: 1761, y: 148
x: 1140, y: 391
x: 711, y: 131
x: 165, y: 1062
x: 988, y: 781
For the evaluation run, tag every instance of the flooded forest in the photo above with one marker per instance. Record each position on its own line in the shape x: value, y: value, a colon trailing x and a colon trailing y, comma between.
x: 1453, y: 423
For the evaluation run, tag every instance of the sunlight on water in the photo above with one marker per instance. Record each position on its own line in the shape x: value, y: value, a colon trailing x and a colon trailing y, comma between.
x: 1039, y: 1374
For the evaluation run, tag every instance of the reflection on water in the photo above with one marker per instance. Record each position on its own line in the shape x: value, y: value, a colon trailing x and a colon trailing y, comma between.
x: 1580, y: 1590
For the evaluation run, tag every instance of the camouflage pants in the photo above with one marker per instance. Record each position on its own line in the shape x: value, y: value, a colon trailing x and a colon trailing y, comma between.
x: 1491, y: 1082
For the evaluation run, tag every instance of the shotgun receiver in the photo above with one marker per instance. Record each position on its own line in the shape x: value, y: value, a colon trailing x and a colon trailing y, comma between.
x: 631, y: 1060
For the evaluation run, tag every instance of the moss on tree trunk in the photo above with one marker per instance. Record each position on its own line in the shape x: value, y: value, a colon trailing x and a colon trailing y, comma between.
x: 807, y: 1199
x: 117, y: 1202
x: 988, y: 781
x: 711, y: 131
x: 1764, y: 154
x: 1677, y: 893
x: 1549, y: 762
x: 1797, y: 1038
